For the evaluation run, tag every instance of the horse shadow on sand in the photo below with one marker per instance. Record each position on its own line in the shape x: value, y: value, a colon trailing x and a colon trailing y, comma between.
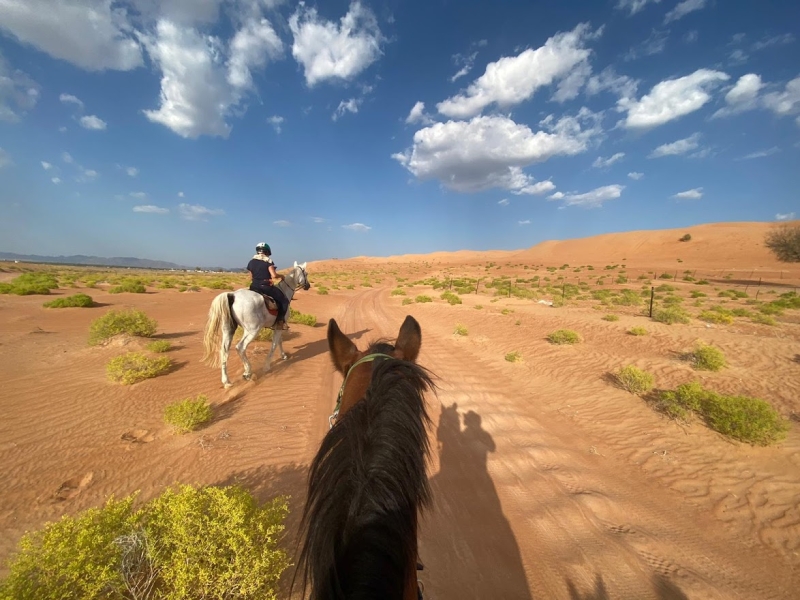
x: 466, y: 542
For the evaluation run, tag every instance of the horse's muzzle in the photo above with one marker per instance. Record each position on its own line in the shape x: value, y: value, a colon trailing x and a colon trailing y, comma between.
x: 307, y: 286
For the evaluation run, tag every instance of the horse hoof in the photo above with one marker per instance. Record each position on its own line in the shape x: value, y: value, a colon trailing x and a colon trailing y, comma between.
x: 227, y: 386
x: 246, y: 377
x: 285, y: 357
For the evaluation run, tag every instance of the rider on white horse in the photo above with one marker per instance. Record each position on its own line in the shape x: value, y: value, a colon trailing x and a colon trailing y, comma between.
x: 263, y: 273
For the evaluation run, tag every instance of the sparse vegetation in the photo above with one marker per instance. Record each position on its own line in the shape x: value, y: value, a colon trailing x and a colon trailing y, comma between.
x: 713, y: 316
x: 514, y: 356
x: 451, y: 298
x: 708, y: 358
x: 611, y: 318
x: 635, y: 380
x: 115, y: 322
x: 296, y: 316
x: 209, y: 542
x: 130, y: 287
x: 422, y: 299
x: 784, y: 242
x: 398, y: 292
x: 29, y: 284
x: 637, y: 331
x: 460, y: 329
x: 407, y: 301
x: 188, y: 414
x: 686, y: 238
x: 133, y: 367
x: 671, y: 315
x: 564, y: 336
x: 75, y: 301
x: 159, y: 346
x: 764, y: 320
x: 743, y: 418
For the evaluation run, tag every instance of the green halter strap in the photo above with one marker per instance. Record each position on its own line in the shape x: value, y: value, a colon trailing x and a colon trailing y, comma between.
x: 367, y: 358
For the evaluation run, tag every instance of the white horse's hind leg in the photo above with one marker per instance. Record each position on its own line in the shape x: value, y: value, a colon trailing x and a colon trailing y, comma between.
x: 280, y: 345
x: 227, y: 336
x: 276, y: 340
x: 241, y: 348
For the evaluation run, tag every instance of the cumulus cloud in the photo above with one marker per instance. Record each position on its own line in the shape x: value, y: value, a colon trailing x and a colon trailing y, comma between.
x: 132, y: 171
x: 633, y: 6
x: 46, y: 165
x: 196, y: 212
x: 601, y: 163
x: 761, y: 153
x: 56, y: 180
x: 346, y: 106
x: 150, y: 208
x: 535, y: 189
x: 678, y: 147
x: 635, y: 176
x: 328, y: 50
x: 277, y: 122
x: 70, y: 99
x: 786, y: 102
x: 18, y: 92
x: 92, y: 34
x: 357, y: 227
x: 514, y: 79
x: 671, y: 99
x: 784, y: 216
x: 608, y: 80
x: 504, y: 202
x: 592, y: 199
x: 180, y: 195
x: 86, y: 175
x: 198, y: 90
x: 490, y: 151
x: 92, y: 122
x: 693, y: 194
x: 684, y: 8
x: 741, y: 97
x: 417, y: 115
x: 282, y: 223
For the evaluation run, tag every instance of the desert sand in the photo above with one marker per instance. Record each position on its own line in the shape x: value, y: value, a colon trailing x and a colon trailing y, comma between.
x: 549, y: 481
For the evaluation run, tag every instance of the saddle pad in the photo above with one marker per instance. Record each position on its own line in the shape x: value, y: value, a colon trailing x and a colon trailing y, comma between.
x: 272, y: 306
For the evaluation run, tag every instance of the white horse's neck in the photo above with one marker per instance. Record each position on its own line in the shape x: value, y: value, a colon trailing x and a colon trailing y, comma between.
x: 288, y: 285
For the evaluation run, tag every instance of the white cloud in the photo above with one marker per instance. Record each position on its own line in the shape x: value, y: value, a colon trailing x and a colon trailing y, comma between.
x: 417, y: 115
x: 608, y: 79
x: 357, y: 227
x: 671, y: 99
x: 62, y: 129
x: 761, y: 153
x: 741, y: 97
x: 328, y: 50
x: 150, y: 208
x: 504, y: 202
x: 318, y: 219
x: 92, y: 34
x: 691, y: 36
x: 70, y: 99
x: 5, y: 159
x: 739, y: 56
x: 132, y: 171
x: 281, y: 223
x: 56, y: 180
x: 635, y: 176
x: 250, y: 48
x: 92, y: 122
x: 535, y: 189
x: 693, y: 194
x: 180, y: 195
x: 18, y: 92
x: 46, y: 165
x: 138, y: 195
x: 195, y: 212
x: 87, y: 175
x: 684, y: 8
x: 198, y: 91
x: 67, y: 158
x: 784, y: 216
x: 593, y: 199
x: 525, y: 222
x: 513, y: 79
x: 776, y: 40
x: 490, y: 151
x: 276, y: 121
x: 786, y: 102
x: 601, y: 163
x: 465, y: 62
x: 634, y: 6
x: 655, y: 43
x: 350, y: 106
x: 570, y: 86
x: 679, y: 147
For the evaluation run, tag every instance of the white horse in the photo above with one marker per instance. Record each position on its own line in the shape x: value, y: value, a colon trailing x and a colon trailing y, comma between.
x: 246, y: 308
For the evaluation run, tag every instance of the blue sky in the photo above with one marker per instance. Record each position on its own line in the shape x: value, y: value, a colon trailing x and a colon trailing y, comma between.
x: 190, y: 130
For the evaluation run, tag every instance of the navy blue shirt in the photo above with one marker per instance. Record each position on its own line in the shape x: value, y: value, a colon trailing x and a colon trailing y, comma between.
x: 260, y: 269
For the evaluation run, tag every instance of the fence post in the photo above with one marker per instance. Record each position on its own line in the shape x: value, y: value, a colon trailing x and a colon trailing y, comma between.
x: 652, y: 296
x: 477, y: 283
x: 509, y: 289
x: 563, y: 292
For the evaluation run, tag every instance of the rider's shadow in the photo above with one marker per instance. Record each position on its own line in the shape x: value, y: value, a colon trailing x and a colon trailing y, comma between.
x: 467, y: 544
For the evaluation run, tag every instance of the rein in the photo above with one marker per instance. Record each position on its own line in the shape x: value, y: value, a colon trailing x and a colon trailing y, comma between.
x: 367, y: 358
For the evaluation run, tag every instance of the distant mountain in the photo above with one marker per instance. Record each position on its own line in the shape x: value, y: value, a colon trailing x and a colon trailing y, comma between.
x: 95, y: 261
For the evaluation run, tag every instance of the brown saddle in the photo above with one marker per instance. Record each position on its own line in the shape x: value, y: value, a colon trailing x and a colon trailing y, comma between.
x: 272, y: 306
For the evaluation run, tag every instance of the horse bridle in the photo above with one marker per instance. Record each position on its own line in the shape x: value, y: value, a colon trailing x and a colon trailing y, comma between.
x: 367, y: 358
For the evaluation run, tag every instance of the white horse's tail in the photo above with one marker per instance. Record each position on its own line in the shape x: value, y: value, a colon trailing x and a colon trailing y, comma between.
x: 219, y: 315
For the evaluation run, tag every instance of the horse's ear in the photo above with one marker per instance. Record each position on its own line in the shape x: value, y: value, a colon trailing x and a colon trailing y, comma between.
x: 295, y: 264
x: 303, y: 266
x: 343, y: 351
x: 409, y: 340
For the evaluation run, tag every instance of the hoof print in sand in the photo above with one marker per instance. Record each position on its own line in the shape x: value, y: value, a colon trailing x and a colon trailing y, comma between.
x: 72, y: 487
x: 137, y: 436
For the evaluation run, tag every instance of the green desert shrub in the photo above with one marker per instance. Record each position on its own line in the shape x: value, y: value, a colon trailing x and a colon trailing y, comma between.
x: 708, y: 358
x: 74, y: 301
x: 133, y: 367
x: 187, y: 543
x: 460, y: 329
x: 634, y: 379
x: 423, y: 299
x: 115, y: 322
x: 671, y: 315
x: 514, y: 356
x: 29, y: 284
x: 159, y: 346
x: 637, y: 331
x: 764, y: 320
x: 398, y: 292
x: 611, y: 318
x: 407, y: 301
x: 451, y: 298
x: 296, y: 316
x: 129, y: 287
x: 188, y: 414
x: 712, y: 316
x: 746, y: 419
x: 564, y: 336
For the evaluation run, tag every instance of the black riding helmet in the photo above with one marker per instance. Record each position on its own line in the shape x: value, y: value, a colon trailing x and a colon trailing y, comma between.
x: 263, y: 247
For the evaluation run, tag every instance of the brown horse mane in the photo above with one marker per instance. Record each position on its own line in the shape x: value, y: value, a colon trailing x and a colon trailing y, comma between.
x: 365, y: 487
